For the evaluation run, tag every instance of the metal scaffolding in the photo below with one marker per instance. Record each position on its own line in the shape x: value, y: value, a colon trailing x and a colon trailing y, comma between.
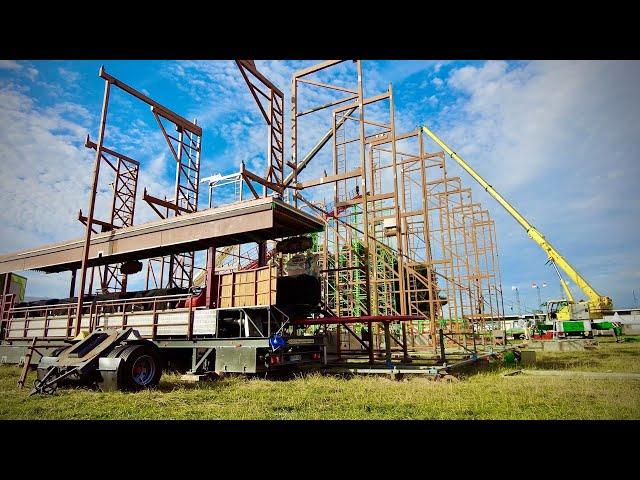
x: 403, y: 237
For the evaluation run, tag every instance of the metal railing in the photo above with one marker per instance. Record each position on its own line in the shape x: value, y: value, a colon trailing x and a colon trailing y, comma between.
x: 44, y: 320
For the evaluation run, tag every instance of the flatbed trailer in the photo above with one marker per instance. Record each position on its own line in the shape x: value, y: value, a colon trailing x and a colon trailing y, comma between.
x: 248, y: 339
x: 220, y: 329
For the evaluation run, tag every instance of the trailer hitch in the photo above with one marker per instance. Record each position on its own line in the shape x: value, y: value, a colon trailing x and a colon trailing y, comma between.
x: 49, y: 385
x: 81, y: 359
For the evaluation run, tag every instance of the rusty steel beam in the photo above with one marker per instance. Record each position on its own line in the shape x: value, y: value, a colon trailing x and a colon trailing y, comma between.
x: 256, y: 178
x: 371, y: 198
x: 360, y: 319
x: 365, y: 101
x: 327, y: 105
x: 161, y: 109
x: 326, y: 85
x: 273, y: 114
x: 151, y: 200
x: 252, y: 221
x: 106, y: 226
x: 90, y: 144
x: 92, y: 203
x: 251, y: 66
x: 332, y: 178
x: 314, y: 151
x: 316, y: 68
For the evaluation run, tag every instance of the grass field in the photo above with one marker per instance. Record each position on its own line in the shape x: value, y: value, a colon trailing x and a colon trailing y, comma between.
x: 480, y: 394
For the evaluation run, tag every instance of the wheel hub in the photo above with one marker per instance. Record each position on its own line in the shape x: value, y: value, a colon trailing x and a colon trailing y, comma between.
x: 143, y: 370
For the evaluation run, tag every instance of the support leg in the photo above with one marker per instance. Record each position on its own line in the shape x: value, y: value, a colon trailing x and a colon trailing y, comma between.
x: 211, y: 270
x: 72, y: 286
x: 443, y: 357
x: 387, y: 344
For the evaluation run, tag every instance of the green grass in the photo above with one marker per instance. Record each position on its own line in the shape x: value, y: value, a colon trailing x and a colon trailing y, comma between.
x: 480, y: 394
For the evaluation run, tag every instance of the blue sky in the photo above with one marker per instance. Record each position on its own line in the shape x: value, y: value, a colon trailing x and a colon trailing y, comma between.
x: 560, y: 139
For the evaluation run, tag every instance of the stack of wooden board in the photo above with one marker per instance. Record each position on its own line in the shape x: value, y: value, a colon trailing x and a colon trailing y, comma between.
x: 248, y: 288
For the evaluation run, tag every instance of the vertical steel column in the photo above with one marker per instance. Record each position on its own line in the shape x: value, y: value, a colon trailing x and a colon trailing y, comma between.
x: 262, y: 254
x: 211, y: 270
x: 270, y: 174
x: 72, y: 286
x: 92, y: 203
x: 5, y: 291
x: 433, y: 293
x: 374, y: 253
x: 294, y: 134
x: 363, y: 185
x: 399, y: 229
x: 174, y: 258
x: 387, y: 343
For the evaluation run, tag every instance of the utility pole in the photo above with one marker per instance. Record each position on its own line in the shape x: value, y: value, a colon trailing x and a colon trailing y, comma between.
x: 514, y: 288
x: 535, y: 285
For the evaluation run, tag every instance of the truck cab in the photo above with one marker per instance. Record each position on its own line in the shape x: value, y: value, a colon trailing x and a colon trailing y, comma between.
x: 565, y: 318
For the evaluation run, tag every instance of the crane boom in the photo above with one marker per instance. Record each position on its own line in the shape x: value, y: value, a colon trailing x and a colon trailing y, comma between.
x: 597, y: 303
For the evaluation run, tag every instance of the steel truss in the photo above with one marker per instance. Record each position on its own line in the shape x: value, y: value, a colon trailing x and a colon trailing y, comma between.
x: 124, y: 188
x: 270, y: 101
x: 185, y: 149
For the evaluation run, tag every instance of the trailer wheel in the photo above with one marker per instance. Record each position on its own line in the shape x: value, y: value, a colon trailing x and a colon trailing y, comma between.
x: 141, y: 366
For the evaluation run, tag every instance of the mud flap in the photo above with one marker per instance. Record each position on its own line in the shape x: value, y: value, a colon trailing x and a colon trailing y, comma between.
x: 108, y: 373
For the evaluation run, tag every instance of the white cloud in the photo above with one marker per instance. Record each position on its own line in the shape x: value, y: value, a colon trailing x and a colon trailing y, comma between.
x: 43, y: 178
x: 69, y: 76
x: 561, y: 140
x: 432, y: 100
x: 45, y: 174
x: 21, y: 68
x: 10, y: 65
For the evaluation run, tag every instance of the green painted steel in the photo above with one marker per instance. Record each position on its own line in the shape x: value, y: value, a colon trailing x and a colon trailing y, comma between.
x: 602, y: 325
x: 570, y: 326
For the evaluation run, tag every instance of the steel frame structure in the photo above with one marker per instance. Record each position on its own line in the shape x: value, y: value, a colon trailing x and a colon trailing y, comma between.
x: 123, y: 203
x: 186, y: 151
x: 403, y: 237
x: 270, y: 101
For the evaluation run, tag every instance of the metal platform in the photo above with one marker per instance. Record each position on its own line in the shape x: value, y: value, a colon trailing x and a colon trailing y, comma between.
x: 244, y: 222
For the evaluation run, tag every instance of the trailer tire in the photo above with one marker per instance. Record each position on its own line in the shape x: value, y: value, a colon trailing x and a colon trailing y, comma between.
x: 141, y: 366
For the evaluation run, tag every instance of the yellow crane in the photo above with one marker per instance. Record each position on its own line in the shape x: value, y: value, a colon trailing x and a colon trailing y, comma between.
x: 569, y: 310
